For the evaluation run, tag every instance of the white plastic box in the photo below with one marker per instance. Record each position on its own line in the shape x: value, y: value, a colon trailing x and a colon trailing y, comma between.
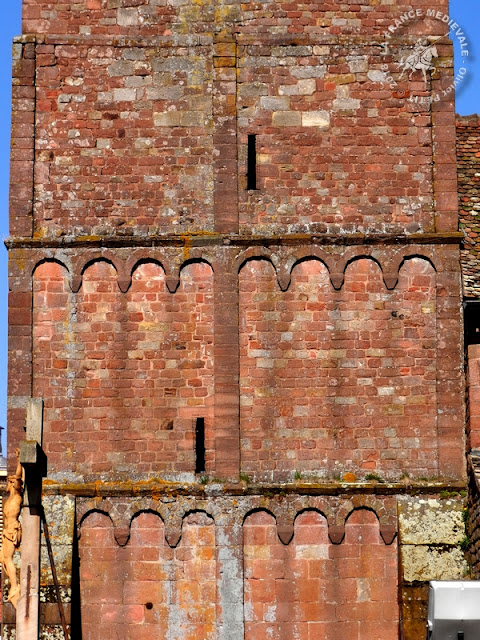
x: 454, y: 610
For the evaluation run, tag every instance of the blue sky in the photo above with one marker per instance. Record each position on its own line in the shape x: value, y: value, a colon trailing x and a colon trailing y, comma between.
x: 464, y: 12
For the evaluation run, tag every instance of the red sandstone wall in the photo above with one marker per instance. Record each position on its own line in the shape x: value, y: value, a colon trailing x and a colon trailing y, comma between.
x: 306, y: 590
x: 468, y: 163
x: 143, y: 139
x: 124, y: 373
x: 362, y: 17
x: 102, y: 17
x: 336, y: 381
x: 335, y: 146
x: 331, y: 381
x: 473, y: 425
x: 146, y: 17
x: 360, y: 378
x: 313, y: 589
x: 146, y: 589
x: 136, y: 118
x: 124, y: 139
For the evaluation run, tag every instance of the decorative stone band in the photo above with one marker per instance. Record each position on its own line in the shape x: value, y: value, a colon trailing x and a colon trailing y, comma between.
x: 233, y: 511
x: 231, y: 254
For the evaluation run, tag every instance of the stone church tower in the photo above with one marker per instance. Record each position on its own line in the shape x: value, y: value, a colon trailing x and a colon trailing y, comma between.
x: 235, y: 284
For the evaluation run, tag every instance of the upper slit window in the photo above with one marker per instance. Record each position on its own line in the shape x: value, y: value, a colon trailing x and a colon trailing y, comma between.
x: 252, y: 162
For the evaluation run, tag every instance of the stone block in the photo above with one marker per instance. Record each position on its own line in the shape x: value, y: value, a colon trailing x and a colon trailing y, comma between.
x: 192, y: 118
x: 128, y: 17
x: 307, y: 87
x: 121, y: 68
x: 425, y: 521
x: 167, y: 119
x: 272, y: 103
x: 346, y: 104
x: 224, y: 49
x: 376, y: 75
x: 124, y: 95
x: 287, y: 118
x: 359, y: 65
x: 60, y: 516
x: 423, y: 563
x: 311, y: 71
x: 319, y: 119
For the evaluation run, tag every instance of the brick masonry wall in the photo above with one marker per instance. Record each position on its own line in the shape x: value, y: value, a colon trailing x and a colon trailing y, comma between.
x: 312, y: 589
x: 125, y: 378
x: 472, y: 527
x: 124, y: 139
x: 468, y: 158
x: 129, y: 134
x: 473, y: 379
x: 149, y: 17
x: 104, y: 17
x: 473, y: 425
x: 314, y: 322
x: 95, y: 361
x: 338, y: 381
x: 302, y: 586
x: 363, y: 16
x: 300, y: 98
x: 146, y: 588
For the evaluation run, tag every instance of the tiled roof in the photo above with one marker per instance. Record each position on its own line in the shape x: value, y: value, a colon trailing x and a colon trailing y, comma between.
x: 468, y: 170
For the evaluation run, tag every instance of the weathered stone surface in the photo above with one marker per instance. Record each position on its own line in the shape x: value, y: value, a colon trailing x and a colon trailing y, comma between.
x: 431, y: 531
x: 422, y: 563
x: 431, y: 521
x: 316, y: 119
x: 286, y: 118
x: 414, y: 603
x: 60, y: 516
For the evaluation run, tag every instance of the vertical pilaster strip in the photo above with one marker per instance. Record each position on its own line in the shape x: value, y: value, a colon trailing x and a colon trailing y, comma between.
x: 450, y: 377
x: 225, y: 134
x: 444, y: 142
x: 227, y: 363
x: 227, y: 432
x: 229, y: 551
x: 450, y: 384
x: 22, y: 137
x: 19, y: 347
x: 21, y: 224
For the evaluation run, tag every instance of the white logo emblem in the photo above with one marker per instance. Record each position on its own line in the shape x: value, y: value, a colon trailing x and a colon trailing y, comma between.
x: 419, y: 60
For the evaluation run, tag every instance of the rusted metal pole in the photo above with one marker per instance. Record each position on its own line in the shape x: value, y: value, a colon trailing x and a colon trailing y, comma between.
x: 54, y: 575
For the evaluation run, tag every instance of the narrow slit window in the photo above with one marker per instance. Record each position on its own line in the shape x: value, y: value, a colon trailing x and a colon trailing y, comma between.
x: 252, y: 162
x: 471, y: 318
x: 200, y: 445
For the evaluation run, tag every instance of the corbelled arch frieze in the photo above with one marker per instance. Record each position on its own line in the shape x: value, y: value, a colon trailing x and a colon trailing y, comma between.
x: 23, y: 264
x: 228, y: 511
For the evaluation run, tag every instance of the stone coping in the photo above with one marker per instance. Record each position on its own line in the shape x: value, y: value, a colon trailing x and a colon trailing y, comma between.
x: 210, y: 238
x: 214, y: 488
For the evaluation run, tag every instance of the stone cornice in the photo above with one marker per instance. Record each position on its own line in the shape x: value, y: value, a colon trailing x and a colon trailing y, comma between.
x: 202, y: 239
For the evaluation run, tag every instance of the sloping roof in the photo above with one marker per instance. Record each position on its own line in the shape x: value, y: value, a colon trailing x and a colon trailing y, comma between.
x: 468, y: 171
